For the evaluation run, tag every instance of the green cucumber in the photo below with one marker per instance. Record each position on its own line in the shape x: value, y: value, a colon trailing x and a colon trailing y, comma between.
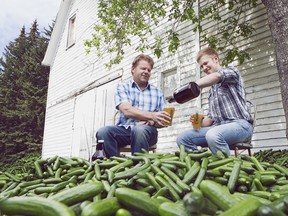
x: 243, y: 208
x: 29, y: 183
x: 162, y: 182
x: 200, y: 177
x: 108, y: 206
x: 172, y: 209
x: 221, y: 180
x: 192, y: 172
x: 133, y: 171
x: 217, y: 194
x: 194, y: 202
x: 281, y: 169
x: 232, y: 181
x: 152, y: 181
x: 219, y: 163
x: 34, y: 206
x: 12, y: 176
x: 268, y: 210
x: 38, y: 169
x: 268, y: 180
x: 200, y: 156
x: 137, y: 200
x: 243, y: 196
x: 123, y: 212
x: 257, y: 164
x: 78, y: 193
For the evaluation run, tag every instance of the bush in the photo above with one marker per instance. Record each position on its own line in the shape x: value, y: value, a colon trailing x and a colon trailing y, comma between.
x: 19, y: 163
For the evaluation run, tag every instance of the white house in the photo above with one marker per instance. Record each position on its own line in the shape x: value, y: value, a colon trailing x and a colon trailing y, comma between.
x: 80, y: 94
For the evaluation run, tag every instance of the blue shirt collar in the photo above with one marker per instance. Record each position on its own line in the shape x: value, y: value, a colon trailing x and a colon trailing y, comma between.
x: 134, y: 84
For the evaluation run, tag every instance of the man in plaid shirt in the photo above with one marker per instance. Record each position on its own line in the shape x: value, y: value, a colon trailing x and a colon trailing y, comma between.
x: 140, y: 106
x: 228, y: 121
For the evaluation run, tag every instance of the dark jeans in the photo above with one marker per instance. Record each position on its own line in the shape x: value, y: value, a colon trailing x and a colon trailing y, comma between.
x: 115, y: 137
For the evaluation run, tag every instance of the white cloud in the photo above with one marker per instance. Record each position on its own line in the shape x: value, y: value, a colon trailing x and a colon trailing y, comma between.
x: 14, y: 14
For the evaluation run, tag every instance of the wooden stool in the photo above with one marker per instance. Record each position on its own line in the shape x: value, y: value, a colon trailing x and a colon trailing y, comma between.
x: 240, y: 148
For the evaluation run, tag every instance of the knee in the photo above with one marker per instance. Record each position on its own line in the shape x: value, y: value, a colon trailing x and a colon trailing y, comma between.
x: 179, y: 140
x: 142, y: 130
x: 102, y: 132
x: 211, y: 136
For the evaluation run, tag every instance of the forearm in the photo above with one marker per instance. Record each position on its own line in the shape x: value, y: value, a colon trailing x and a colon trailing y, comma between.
x: 207, y: 122
x: 135, y: 113
x: 209, y: 80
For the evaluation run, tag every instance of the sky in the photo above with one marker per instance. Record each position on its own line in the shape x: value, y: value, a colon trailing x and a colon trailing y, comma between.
x: 14, y: 14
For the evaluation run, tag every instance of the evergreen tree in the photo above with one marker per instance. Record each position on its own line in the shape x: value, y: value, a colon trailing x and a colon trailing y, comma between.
x: 23, y: 91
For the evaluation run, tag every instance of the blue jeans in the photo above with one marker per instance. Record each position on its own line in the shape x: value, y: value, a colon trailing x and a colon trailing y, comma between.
x: 218, y: 137
x: 115, y: 137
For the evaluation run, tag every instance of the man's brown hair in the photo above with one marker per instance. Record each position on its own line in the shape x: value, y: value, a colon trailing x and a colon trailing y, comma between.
x: 207, y: 51
x: 142, y: 57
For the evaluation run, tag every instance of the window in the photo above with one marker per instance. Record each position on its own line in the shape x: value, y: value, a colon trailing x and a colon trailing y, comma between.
x: 169, y: 82
x: 71, y: 31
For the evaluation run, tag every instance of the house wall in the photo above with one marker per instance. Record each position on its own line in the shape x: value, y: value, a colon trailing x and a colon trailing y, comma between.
x: 80, y: 95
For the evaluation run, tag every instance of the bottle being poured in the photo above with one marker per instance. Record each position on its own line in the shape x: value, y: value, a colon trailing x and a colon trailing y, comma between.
x: 185, y: 93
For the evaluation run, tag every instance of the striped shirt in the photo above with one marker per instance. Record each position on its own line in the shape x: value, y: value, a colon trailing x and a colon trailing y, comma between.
x: 150, y: 99
x: 227, y: 99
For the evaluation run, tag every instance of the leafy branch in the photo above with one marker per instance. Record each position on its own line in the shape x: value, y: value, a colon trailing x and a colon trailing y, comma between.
x: 121, y: 21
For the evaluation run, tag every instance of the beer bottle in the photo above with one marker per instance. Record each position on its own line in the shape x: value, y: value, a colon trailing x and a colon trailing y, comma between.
x: 99, y: 154
x: 185, y: 93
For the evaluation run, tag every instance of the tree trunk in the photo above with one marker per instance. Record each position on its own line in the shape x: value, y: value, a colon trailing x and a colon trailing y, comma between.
x: 277, y: 11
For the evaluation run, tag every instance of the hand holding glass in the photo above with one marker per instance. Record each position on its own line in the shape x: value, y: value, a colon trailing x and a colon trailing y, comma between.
x: 197, y: 120
x: 171, y: 111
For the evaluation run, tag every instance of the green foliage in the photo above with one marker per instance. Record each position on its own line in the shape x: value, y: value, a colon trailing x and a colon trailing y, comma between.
x: 19, y: 163
x: 23, y: 92
x: 124, y: 20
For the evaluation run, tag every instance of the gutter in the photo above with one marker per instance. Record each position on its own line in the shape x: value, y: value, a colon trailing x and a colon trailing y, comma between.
x: 56, y: 33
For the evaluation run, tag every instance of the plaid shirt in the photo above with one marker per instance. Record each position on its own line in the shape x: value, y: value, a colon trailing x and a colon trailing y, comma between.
x: 227, y: 99
x: 150, y: 99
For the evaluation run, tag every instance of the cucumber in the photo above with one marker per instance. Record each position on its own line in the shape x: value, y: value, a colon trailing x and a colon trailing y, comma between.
x: 281, y: 169
x: 29, y: 183
x: 243, y: 196
x: 34, y: 206
x: 200, y: 156
x: 217, y: 194
x: 257, y: 164
x: 268, y: 180
x: 172, y: 209
x: 38, y: 169
x: 234, y: 177
x: 247, y: 207
x: 268, y: 210
x: 194, y: 202
x: 192, y: 172
x: 123, y: 212
x: 78, y: 193
x: 200, y: 177
x: 152, y: 181
x: 219, y: 163
x: 137, y: 200
x: 108, y: 206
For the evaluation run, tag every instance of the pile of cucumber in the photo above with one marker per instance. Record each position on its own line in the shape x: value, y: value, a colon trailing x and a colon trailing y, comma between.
x: 179, y: 183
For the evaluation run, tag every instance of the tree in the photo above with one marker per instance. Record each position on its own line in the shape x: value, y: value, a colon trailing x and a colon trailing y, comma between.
x: 23, y: 91
x: 278, y: 22
x: 121, y: 20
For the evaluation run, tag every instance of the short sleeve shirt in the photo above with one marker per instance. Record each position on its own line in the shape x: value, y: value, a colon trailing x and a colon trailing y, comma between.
x: 227, y: 99
x: 150, y: 99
